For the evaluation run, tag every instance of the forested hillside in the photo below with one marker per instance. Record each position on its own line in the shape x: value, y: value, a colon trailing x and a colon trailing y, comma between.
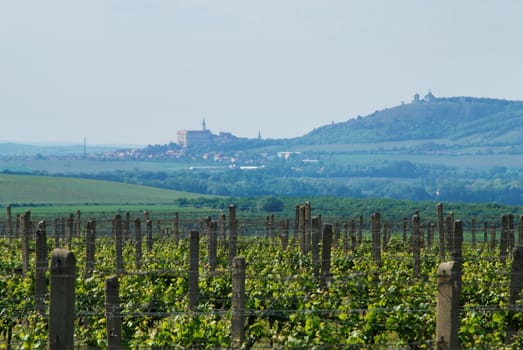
x: 460, y: 120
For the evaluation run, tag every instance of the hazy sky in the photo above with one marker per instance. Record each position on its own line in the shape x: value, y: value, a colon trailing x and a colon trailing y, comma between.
x: 136, y: 71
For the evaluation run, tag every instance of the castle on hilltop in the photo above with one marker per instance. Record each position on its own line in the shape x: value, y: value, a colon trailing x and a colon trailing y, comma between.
x: 189, y: 138
x: 429, y: 97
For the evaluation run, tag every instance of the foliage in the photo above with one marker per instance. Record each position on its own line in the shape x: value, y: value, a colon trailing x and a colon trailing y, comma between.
x: 365, y: 305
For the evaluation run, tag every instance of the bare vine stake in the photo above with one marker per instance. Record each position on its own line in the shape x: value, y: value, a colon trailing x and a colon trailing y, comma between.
x: 118, y: 243
x: 441, y: 233
x: 416, y: 245
x: 238, y: 302
x: 301, y: 228
x: 90, y: 246
x: 485, y: 232
x: 62, y: 229
x: 405, y: 226
x: 296, y: 232
x: 493, y: 242
x: 267, y: 227
x: 430, y: 234
x: 284, y: 234
x: 62, y: 295
x: 69, y: 233
x: 503, y: 241
x: 360, y: 229
x: 511, y: 236
x: 41, y: 267
x: 9, y: 224
x: 25, y: 228
x: 449, y: 233
x: 516, y: 281
x: 447, y: 312
x: 449, y: 290
x: 176, y: 229
x: 520, y: 230
x: 194, y: 257
x: 112, y: 313
x: 223, y: 231
x: 149, y: 234
x: 353, y: 238
x: 78, y: 224
x: 138, y: 242
x: 336, y: 234
x: 56, y: 233
x: 233, y: 232
x: 473, y: 233
x: 345, y: 238
x: 307, y: 227
x: 376, y: 239
x: 127, y: 227
x: 212, y: 242
x: 315, y: 246
x: 326, y: 256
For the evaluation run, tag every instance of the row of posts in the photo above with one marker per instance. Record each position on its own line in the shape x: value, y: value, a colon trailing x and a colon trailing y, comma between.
x: 449, y: 272
x: 62, y: 294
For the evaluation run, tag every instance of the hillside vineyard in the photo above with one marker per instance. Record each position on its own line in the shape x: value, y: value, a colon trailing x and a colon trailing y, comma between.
x: 233, y: 282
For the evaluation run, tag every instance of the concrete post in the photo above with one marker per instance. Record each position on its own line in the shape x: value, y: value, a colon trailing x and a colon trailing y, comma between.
x: 194, y: 257
x: 90, y: 247
x: 138, y: 243
x: 112, y: 313
x: 326, y: 256
x: 61, y: 305
x: 238, y: 302
x: 118, y: 238
x: 41, y: 268
x: 447, y: 312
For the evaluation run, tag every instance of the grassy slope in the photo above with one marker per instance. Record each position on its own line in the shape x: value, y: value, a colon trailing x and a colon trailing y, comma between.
x: 60, y: 190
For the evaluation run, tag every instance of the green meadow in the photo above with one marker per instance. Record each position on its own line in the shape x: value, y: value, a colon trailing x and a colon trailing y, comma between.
x: 48, y: 195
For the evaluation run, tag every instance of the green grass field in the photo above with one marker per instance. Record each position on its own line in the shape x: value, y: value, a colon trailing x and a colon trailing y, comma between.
x: 60, y: 194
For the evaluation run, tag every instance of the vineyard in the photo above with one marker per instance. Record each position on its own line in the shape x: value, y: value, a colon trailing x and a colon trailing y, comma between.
x: 166, y: 280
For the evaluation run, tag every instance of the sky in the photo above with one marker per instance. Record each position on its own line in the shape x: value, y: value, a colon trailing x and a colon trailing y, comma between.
x: 137, y: 71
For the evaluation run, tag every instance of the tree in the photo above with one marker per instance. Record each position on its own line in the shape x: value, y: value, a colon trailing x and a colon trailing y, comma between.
x: 271, y: 204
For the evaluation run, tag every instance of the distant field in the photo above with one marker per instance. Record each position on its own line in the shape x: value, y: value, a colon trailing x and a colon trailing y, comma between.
x: 61, y: 166
x: 40, y: 190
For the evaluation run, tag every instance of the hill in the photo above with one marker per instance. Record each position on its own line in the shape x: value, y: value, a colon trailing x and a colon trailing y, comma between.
x: 464, y: 121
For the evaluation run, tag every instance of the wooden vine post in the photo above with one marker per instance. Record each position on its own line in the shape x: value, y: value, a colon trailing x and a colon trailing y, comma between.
x: 441, y: 233
x: 41, y: 268
x: 238, y: 303
x: 25, y: 228
x: 449, y: 290
x: 61, y: 304
x: 212, y: 245
x: 376, y: 239
x: 503, y: 241
x: 118, y: 238
x: 326, y: 256
x: 315, y: 246
x: 233, y: 232
x: 176, y: 229
x: 516, y: 282
x: 10, y: 232
x: 69, y: 231
x: 112, y: 313
x: 473, y: 232
x: 194, y: 257
x: 416, y: 245
x: 90, y: 247
x: 149, y: 235
x: 138, y: 243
